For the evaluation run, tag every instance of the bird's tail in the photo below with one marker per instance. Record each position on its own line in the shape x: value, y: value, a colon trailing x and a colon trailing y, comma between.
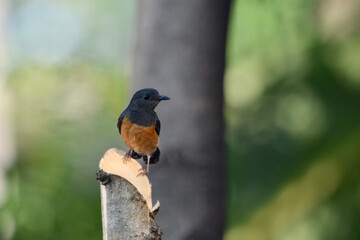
x: 155, y: 157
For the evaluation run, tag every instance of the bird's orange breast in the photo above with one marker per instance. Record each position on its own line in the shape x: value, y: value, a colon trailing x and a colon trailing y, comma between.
x: 144, y: 140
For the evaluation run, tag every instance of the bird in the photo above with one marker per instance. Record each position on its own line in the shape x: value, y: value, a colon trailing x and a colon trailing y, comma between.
x: 139, y: 127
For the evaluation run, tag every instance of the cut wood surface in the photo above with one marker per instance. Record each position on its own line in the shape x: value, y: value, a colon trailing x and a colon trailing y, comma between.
x: 113, y: 163
x: 126, y: 203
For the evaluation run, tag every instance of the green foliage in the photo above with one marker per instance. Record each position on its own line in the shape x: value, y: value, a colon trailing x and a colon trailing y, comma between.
x: 292, y: 111
x: 65, y: 118
x: 293, y: 94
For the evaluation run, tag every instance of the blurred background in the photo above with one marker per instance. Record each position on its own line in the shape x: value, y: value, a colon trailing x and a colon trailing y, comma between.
x: 292, y: 114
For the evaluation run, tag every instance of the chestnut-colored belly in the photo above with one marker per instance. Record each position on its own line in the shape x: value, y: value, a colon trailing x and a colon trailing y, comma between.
x: 143, y: 140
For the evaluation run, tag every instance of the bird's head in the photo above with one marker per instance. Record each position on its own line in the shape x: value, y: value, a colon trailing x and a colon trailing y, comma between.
x: 146, y: 99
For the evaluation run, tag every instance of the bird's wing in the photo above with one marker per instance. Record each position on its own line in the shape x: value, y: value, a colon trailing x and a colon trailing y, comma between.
x: 120, y: 120
x: 157, y: 126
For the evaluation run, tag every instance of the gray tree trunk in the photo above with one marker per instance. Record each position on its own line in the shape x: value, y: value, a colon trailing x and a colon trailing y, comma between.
x: 125, y: 212
x: 180, y: 50
x: 126, y: 202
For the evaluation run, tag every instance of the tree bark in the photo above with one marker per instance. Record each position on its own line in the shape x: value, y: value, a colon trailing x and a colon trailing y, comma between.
x: 180, y: 50
x: 126, y: 203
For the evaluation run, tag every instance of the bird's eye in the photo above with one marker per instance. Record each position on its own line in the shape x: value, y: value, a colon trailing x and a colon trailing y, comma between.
x: 146, y: 97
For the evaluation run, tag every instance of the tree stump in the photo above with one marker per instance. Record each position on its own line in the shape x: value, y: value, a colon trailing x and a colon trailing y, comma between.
x: 126, y: 202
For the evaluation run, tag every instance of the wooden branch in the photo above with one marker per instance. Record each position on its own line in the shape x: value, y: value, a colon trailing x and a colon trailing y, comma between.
x: 126, y: 203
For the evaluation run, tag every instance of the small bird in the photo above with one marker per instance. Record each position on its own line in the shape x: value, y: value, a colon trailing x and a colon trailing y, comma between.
x: 139, y: 127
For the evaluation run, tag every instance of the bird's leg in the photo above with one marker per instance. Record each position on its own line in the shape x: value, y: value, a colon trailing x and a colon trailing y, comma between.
x: 143, y: 171
x: 148, y: 163
x: 127, y: 157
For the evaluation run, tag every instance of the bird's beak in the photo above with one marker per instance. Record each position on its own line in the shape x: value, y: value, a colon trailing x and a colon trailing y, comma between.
x: 163, y: 98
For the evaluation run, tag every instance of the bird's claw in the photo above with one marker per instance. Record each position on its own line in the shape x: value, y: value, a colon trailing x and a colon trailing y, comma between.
x: 127, y: 157
x: 143, y: 172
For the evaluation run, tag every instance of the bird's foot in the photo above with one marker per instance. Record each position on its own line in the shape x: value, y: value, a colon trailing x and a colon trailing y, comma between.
x: 127, y: 157
x: 143, y: 172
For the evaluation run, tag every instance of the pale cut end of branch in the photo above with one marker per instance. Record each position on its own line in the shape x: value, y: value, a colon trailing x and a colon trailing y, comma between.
x: 112, y: 162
